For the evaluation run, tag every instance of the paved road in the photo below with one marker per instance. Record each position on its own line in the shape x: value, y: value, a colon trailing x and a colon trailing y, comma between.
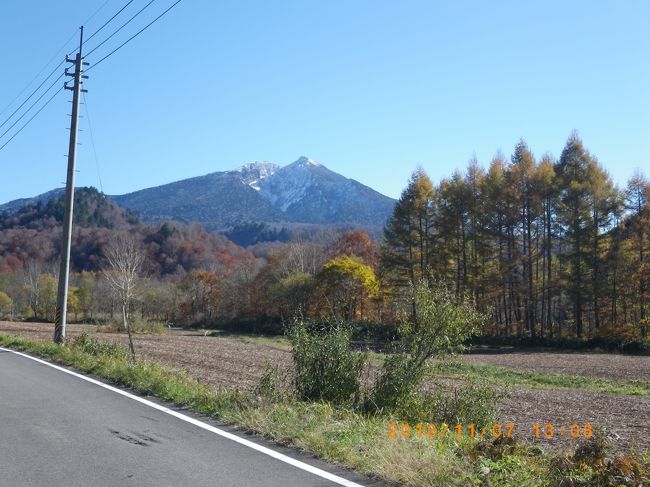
x: 58, y: 429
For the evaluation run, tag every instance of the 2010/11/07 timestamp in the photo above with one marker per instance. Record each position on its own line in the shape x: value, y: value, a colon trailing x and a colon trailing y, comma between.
x: 495, y: 430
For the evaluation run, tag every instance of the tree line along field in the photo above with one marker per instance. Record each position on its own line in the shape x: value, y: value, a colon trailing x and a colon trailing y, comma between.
x: 548, y: 249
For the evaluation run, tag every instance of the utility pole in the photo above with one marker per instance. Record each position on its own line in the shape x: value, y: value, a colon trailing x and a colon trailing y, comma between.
x: 64, y: 270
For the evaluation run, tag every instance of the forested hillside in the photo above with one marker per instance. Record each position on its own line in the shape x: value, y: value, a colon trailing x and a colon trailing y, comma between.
x: 32, y: 236
x: 30, y: 248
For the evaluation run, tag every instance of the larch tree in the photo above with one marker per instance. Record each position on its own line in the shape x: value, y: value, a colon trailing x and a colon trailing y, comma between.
x: 589, y: 203
x: 574, y: 169
x: 452, y: 224
x: 637, y: 202
x: 405, y: 251
x: 606, y: 207
x: 548, y: 192
x: 474, y: 186
x: 525, y: 180
x: 495, y: 207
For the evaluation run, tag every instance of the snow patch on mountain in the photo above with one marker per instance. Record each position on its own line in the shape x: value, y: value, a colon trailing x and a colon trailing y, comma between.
x: 289, y: 184
x: 304, y: 161
x: 253, y: 173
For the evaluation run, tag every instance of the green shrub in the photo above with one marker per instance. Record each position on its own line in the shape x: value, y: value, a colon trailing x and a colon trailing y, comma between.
x: 326, y: 368
x: 439, y: 325
x: 508, y: 470
x: 138, y: 327
x: 5, y: 305
x: 147, y: 327
x: 399, y: 391
x: 397, y: 386
x: 91, y: 345
x: 472, y: 403
x: 274, y: 386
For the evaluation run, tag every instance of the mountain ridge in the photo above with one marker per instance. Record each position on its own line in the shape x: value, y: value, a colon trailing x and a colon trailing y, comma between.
x: 302, y: 192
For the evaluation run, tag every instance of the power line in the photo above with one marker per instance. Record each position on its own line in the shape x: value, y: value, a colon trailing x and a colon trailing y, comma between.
x: 109, y: 20
x: 92, y: 140
x: 31, y: 118
x: 32, y: 94
x: 31, y: 106
x: 50, y: 62
x: 120, y: 28
x: 57, y: 79
x: 92, y: 16
x: 133, y: 36
x: 34, y: 79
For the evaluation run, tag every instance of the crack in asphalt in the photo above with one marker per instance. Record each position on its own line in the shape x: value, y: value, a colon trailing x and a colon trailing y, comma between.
x: 139, y: 440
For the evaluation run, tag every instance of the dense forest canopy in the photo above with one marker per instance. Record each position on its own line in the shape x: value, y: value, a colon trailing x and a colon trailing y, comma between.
x: 545, y: 246
x: 32, y: 235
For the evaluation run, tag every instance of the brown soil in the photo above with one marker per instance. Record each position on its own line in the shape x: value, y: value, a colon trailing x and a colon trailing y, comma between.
x: 221, y: 362
x: 226, y: 362
x: 608, y: 366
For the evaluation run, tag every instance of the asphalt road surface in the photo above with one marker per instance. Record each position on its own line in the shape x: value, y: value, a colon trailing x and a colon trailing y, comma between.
x: 58, y: 428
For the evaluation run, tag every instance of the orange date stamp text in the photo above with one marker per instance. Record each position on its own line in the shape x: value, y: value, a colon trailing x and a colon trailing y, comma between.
x: 433, y: 431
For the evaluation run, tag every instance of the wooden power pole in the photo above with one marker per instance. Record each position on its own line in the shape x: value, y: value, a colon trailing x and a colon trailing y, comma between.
x: 64, y: 270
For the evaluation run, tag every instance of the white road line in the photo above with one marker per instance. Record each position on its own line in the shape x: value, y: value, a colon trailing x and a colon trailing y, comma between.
x: 262, y: 449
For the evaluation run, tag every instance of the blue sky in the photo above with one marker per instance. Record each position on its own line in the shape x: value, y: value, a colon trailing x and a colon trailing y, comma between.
x: 370, y: 88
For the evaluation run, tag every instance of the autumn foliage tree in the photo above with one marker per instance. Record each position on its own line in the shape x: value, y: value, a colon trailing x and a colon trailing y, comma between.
x: 5, y: 305
x: 408, y: 235
x: 345, y: 287
x: 201, y: 289
x: 637, y: 202
x: 355, y: 243
x: 546, y: 248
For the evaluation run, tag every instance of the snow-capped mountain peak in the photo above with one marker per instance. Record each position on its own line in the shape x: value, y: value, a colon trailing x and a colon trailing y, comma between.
x: 282, y: 186
x: 304, y: 161
x: 289, y: 185
x: 308, y: 191
x: 255, y: 172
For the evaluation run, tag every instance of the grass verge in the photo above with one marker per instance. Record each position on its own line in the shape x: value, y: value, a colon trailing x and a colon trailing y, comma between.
x: 279, y: 342
x: 342, y: 435
x: 511, y: 377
